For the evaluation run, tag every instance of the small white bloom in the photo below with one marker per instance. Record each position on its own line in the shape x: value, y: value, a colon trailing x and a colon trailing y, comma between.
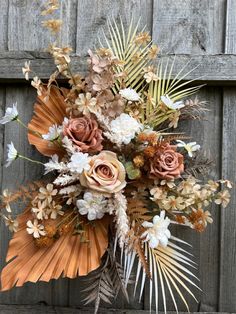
x: 12, y: 154
x: 10, y: 114
x: 53, y: 133
x: 40, y: 211
x: 129, y: 94
x: 79, y: 162
x: 170, y: 104
x: 189, y: 147
x: 94, y: 205
x: 11, y: 223
x: 35, y: 228
x: 157, y: 231
x: 124, y: 128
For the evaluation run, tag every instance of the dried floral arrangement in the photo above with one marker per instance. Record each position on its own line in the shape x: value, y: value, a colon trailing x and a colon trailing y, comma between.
x: 119, y: 174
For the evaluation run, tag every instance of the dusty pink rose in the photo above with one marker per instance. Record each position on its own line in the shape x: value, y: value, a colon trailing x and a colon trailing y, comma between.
x: 166, y: 163
x: 85, y: 134
x: 106, y: 173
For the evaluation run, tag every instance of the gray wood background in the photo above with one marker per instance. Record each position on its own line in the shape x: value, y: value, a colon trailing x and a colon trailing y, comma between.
x: 200, y: 31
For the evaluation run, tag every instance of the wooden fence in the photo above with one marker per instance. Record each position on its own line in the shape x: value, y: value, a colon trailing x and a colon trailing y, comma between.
x: 199, y: 32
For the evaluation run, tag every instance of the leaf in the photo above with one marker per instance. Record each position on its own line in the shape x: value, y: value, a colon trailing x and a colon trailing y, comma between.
x: 68, y: 256
x: 167, y: 269
x: 132, y: 172
x: 106, y: 281
x: 122, y: 44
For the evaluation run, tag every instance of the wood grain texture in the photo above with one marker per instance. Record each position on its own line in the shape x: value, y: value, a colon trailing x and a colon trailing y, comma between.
x: 227, y: 291
x: 189, y: 26
x: 230, y: 28
x: 212, y: 69
x: 42, y: 309
x: 93, y: 15
x: 4, y: 5
x: 25, y: 31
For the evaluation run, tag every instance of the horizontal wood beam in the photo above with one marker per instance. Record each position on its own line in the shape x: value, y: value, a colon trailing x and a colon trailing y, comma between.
x: 41, y: 309
x: 218, y: 69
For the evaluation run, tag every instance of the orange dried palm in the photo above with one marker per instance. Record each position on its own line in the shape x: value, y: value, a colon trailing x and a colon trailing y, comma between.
x: 67, y: 257
x: 49, y: 109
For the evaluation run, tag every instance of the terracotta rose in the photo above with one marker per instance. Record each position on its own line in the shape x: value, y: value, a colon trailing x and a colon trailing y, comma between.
x: 106, y: 173
x: 84, y: 133
x: 166, y: 163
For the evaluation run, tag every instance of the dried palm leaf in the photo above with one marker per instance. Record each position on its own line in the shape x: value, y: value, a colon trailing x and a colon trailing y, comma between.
x: 49, y: 109
x: 70, y: 256
x: 167, y: 269
x: 122, y: 44
x: 200, y: 165
x: 106, y: 282
x: 176, y: 87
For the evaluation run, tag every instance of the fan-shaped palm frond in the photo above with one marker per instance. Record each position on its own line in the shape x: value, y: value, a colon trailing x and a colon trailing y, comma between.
x: 133, y: 55
x: 177, y: 87
x: 168, y: 271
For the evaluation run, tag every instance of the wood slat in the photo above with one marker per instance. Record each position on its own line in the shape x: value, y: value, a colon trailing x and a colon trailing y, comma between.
x: 212, y: 69
x: 189, y: 26
x: 227, y: 288
x: 25, y: 31
x: 3, y: 24
x: 230, y: 29
x: 93, y: 16
x: 227, y: 273
x: 41, y: 309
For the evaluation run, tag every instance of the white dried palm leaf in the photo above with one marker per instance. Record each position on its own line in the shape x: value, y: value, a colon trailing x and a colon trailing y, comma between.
x: 169, y: 271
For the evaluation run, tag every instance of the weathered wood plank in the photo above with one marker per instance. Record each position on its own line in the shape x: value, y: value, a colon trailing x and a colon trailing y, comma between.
x: 213, y: 69
x: 19, y: 173
x: 230, y: 29
x: 227, y: 289
x: 41, y: 309
x: 189, y: 26
x: 25, y: 31
x: 93, y: 17
x: 3, y: 24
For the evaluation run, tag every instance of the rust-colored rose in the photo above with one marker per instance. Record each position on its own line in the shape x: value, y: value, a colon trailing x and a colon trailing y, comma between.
x: 106, y: 173
x: 85, y: 134
x: 166, y: 163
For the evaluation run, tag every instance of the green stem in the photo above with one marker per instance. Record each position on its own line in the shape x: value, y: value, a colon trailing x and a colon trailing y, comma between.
x: 31, y: 160
x: 26, y: 127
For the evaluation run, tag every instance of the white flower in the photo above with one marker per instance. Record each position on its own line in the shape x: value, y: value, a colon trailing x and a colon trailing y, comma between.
x: 94, y: 205
x: 129, y: 94
x: 190, y: 147
x: 157, y: 231
x: 40, y: 211
x: 53, y: 133
x: 10, y: 114
x: 79, y: 162
x: 35, y: 228
x: 86, y: 103
x: 123, y: 129
x: 55, y: 210
x: 11, y: 223
x: 12, y: 154
x: 170, y: 104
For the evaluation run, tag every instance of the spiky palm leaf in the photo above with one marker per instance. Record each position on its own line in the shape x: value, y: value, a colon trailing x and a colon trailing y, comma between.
x: 176, y: 87
x: 167, y: 269
x: 123, y: 46
x: 105, y: 282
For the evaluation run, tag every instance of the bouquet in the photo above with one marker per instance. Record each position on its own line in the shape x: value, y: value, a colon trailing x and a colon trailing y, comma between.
x: 118, y: 175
